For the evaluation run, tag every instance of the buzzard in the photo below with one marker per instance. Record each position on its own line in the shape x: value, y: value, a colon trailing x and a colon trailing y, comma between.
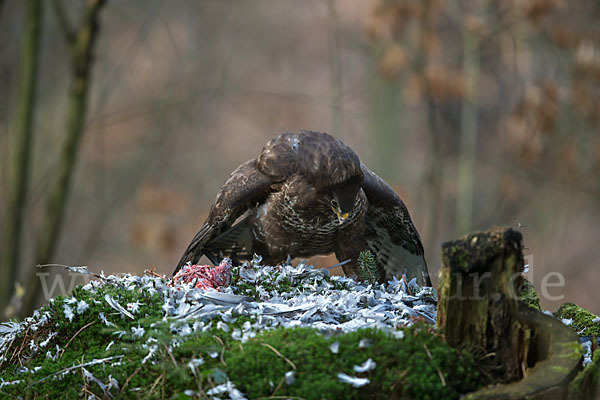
x: 308, y: 194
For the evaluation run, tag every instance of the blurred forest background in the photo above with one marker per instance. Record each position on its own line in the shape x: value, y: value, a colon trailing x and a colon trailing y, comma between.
x: 477, y: 112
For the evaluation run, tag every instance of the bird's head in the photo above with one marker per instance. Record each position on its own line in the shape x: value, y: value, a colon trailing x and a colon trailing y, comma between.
x: 342, y: 200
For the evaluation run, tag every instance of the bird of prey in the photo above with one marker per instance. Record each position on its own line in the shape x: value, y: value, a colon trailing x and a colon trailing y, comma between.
x: 307, y: 194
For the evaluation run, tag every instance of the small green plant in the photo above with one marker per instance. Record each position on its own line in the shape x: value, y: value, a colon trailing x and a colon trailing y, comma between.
x: 367, y: 267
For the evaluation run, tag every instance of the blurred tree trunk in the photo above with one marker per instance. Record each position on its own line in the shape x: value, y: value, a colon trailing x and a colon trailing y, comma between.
x: 386, y: 112
x: 433, y: 175
x: 82, y: 43
x: 468, y: 132
x: 17, y: 197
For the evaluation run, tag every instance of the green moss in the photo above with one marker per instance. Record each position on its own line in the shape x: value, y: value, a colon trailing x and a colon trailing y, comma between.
x: 529, y: 296
x: 403, y: 366
x: 458, y: 256
x: 404, y: 369
x: 560, y: 369
x: 586, y: 384
x: 583, y: 320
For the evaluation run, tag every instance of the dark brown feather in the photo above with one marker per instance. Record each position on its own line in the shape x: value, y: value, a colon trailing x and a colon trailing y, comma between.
x: 390, y: 233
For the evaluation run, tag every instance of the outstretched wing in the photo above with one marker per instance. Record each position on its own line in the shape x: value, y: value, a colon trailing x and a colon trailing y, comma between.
x: 390, y: 233
x: 245, y: 187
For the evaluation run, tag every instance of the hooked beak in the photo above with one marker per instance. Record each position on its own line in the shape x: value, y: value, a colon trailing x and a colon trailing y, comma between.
x: 341, y: 216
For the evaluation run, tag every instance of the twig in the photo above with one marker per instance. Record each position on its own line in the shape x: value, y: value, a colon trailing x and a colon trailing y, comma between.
x: 436, y: 367
x: 86, y: 390
x: 19, y: 350
x: 406, y: 283
x: 6, y: 351
x: 151, y: 272
x: 278, y: 386
x: 69, y: 369
x: 161, y: 376
x: 222, y: 348
x: 73, y: 337
x: 129, y: 378
x: 287, y: 360
x: 60, y: 265
x: 399, y: 377
x: 170, y: 354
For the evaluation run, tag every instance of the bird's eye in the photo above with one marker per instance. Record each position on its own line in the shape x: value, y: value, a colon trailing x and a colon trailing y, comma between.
x: 334, y: 203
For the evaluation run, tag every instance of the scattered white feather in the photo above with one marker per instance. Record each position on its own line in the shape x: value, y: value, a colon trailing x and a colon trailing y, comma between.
x: 151, y: 350
x: 290, y: 379
x: 236, y: 334
x: 398, y: 334
x: 82, y: 306
x: 334, y: 347
x: 134, y: 307
x: 70, y: 300
x: 223, y: 326
x: 353, y: 380
x: 103, y: 318
x: 366, y: 366
x: 114, y: 304
x: 68, y: 312
x: 230, y: 389
x: 195, y: 362
x: 9, y: 327
x: 45, y: 342
x: 138, y: 332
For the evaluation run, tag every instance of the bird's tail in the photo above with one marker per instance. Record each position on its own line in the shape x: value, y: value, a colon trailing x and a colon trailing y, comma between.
x: 195, y: 250
x: 235, y: 242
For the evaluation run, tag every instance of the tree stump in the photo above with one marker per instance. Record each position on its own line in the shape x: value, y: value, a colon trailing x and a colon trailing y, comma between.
x: 479, y: 306
x: 478, y: 294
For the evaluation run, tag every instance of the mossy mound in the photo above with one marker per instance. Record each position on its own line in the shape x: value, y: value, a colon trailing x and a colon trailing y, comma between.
x: 140, y: 348
x: 529, y: 296
x: 583, y: 321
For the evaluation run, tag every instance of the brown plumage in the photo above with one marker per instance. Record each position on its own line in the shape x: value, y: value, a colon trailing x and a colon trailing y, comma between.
x: 308, y: 194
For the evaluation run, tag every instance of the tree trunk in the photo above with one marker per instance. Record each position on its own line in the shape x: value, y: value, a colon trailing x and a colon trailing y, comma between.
x: 24, y: 136
x: 81, y: 60
x: 479, y: 306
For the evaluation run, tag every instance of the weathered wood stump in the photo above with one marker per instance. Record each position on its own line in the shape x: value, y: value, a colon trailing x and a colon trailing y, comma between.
x: 480, y: 285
